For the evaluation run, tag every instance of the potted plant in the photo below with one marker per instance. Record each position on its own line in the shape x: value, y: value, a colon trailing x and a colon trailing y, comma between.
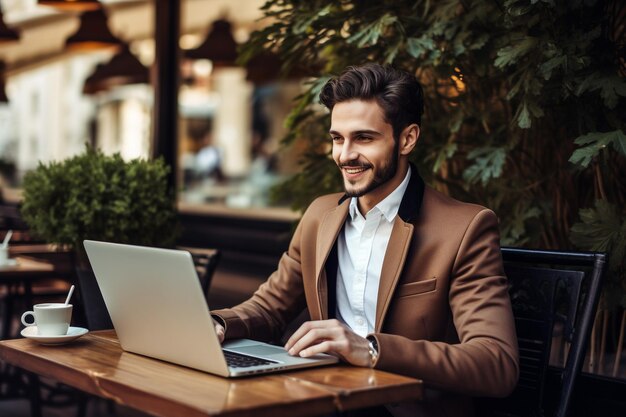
x: 100, y: 197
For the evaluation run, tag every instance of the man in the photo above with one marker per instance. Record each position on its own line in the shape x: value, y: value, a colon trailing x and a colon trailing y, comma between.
x: 395, y: 275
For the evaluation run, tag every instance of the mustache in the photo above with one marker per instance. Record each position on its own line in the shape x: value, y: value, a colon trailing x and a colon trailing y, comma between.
x: 354, y: 164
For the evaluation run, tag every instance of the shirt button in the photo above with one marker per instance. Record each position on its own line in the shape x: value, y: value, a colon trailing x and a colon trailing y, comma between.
x: 359, y: 322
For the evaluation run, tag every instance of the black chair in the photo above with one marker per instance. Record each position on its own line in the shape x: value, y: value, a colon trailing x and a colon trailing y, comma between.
x: 94, y: 310
x: 554, y: 295
x: 206, y: 261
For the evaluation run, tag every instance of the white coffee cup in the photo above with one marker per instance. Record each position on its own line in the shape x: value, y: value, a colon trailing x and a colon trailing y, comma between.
x: 51, y: 319
x: 4, y: 255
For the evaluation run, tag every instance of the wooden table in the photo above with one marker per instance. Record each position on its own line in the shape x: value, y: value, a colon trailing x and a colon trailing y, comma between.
x: 61, y: 258
x: 23, y: 273
x: 25, y: 268
x: 96, y: 364
x: 48, y: 267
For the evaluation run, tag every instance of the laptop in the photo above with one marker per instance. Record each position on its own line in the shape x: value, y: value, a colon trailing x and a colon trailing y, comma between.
x: 158, y: 310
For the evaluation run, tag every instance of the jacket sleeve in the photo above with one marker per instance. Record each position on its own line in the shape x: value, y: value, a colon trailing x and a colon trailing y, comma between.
x: 277, y: 301
x: 485, y: 360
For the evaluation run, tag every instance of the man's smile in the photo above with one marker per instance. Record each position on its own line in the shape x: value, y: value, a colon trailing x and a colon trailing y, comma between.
x: 355, y: 170
x: 352, y: 172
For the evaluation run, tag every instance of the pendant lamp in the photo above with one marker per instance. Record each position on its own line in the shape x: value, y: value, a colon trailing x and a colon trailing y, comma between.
x: 219, y: 46
x: 72, y: 5
x: 267, y: 67
x: 7, y: 34
x: 93, y: 32
x: 263, y: 68
x: 123, y: 69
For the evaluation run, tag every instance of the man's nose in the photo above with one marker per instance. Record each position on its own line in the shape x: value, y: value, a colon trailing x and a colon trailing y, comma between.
x: 348, y: 152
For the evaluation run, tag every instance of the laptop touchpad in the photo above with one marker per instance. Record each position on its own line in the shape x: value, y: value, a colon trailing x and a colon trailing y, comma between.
x: 262, y: 350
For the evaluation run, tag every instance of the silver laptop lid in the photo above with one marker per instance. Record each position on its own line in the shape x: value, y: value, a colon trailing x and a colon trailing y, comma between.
x: 156, y: 304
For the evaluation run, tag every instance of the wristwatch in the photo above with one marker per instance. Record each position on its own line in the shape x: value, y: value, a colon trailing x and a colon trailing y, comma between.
x: 373, y: 349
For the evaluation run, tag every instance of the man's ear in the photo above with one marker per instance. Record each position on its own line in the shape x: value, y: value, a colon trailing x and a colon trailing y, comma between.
x: 408, y: 138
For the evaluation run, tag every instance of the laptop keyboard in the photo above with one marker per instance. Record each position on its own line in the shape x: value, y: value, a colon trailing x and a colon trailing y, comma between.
x: 239, y: 360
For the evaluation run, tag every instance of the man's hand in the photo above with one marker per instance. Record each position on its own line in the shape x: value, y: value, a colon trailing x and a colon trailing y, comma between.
x: 219, y: 329
x: 332, y: 337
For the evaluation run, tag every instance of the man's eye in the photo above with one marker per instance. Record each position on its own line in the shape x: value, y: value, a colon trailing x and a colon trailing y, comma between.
x: 337, y: 138
x: 363, y: 138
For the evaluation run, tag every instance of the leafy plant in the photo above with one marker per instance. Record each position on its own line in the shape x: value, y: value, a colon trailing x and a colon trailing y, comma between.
x: 603, y: 228
x: 95, y: 196
x: 524, y: 103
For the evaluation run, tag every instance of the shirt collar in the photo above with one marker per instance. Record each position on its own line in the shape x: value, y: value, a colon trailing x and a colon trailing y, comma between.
x: 389, y: 206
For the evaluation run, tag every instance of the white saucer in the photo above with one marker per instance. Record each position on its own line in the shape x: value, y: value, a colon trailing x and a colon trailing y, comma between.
x: 72, y: 334
x: 9, y: 262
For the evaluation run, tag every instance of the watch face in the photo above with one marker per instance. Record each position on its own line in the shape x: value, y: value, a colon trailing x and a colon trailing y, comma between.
x: 373, y: 343
x: 373, y: 351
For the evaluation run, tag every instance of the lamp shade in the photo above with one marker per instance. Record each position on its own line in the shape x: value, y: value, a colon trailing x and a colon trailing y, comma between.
x: 93, y: 32
x: 7, y: 34
x: 267, y: 67
x: 263, y: 68
x: 3, y: 94
x: 219, y: 46
x: 124, y: 68
x: 73, y: 5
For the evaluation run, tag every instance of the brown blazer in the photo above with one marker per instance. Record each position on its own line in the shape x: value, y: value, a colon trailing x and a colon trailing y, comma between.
x: 443, y: 313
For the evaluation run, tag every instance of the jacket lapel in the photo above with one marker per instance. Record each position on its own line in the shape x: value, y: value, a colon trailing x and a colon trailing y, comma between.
x: 393, y: 263
x: 329, y: 229
x: 398, y: 246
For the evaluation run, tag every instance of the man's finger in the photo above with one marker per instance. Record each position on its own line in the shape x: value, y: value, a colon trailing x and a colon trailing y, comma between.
x: 327, y: 346
x: 302, y: 330
x: 219, y: 330
x: 312, y: 337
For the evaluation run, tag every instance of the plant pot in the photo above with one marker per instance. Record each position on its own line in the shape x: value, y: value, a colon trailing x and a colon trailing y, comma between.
x: 96, y: 312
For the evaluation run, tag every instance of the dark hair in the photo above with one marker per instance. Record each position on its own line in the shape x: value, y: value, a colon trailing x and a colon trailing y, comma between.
x: 398, y: 93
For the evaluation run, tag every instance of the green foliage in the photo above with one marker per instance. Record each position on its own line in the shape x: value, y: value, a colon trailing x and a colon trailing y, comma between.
x: 95, y: 196
x: 487, y: 164
x: 594, y: 143
x: 603, y: 228
x: 524, y: 109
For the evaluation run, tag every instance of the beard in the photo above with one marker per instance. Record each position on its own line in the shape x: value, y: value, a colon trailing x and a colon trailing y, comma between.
x: 386, y: 172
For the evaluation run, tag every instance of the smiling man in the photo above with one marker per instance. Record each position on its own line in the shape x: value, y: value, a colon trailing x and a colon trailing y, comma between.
x: 394, y: 274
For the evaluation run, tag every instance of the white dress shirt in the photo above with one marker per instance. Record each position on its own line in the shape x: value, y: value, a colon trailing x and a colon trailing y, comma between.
x: 361, y: 249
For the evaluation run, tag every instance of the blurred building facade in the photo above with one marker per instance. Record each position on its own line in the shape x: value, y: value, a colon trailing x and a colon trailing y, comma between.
x: 59, y: 98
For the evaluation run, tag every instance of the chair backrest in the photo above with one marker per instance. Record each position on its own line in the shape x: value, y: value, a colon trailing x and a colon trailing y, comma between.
x: 95, y: 311
x: 554, y: 294
x: 10, y: 217
x: 206, y: 261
